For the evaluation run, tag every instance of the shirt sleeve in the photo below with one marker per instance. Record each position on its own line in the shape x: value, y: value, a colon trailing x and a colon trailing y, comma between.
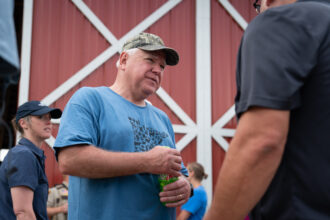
x: 79, y: 123
x: 193, y: 204
x: 277, y: 54
x: 23, y: 169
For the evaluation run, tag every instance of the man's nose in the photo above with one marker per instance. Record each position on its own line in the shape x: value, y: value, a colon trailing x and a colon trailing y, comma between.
x: 157, y: 69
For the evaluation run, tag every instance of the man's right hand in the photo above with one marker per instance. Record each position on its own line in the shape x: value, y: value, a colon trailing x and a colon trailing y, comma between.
x: 163, y: 160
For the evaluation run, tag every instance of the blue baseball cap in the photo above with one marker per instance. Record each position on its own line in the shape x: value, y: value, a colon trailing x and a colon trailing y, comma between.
x: 36, y: 108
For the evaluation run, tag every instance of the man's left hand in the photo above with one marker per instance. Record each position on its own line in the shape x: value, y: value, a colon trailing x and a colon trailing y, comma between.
x: 177, y: 193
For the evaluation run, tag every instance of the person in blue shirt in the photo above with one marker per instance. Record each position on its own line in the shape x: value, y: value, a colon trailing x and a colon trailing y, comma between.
x: 23, y: 181
x: 195, y: 208
x: 111, y: 142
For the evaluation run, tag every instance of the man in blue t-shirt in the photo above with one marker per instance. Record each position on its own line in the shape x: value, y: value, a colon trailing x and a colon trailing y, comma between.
x: 111, y: 142
x: 277, y: 163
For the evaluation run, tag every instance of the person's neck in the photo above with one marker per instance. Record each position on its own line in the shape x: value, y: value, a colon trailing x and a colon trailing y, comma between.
x: 126, y: 94
x: 281, y: 2
x: 195, y: 183
x: 36, y: 141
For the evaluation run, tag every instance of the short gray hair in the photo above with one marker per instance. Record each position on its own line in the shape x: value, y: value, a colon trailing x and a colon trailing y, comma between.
x: 130, y: 52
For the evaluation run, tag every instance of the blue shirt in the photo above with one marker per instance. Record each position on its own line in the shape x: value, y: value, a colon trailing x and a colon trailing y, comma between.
x: 101, y: 117
x: 196, y: 205
x: 24, y: 165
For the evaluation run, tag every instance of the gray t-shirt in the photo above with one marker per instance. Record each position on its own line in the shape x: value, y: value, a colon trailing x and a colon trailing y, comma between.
x: 284, y: 64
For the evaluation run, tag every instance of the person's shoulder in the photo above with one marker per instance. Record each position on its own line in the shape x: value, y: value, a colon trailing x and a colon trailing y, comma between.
x: 312, y: 5
x: 313, y: 14
x: 52, y: 189
x: 21, y: 156
x: 200, y: 193
x: 302, y: 11
x: 154, y: 108
x: 21, y: 150
x: 83, y: 91
x: 292, y: 20
x: 299, y: 13
x: 85, y: 95
x: 266, y: 20
x: 58, y: 186
x: 157, y: 111
x: 200, y: 190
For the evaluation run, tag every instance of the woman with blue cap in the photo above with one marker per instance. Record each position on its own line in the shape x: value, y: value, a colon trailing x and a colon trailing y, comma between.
x: 23, y: 181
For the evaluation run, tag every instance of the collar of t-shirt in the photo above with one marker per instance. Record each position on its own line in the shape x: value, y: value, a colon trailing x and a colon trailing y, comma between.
x: 37, y: 151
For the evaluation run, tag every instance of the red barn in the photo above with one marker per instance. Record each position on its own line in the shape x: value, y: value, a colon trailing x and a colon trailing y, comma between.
x: 69, y: 44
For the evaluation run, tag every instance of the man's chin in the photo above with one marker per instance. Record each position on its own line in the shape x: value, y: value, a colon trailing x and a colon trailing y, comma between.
x: 149, y: 91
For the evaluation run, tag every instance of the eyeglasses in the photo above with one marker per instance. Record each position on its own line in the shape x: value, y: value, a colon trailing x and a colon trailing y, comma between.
x: 256, y: 6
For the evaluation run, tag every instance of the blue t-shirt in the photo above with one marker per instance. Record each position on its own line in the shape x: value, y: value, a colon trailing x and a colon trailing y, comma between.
x: 24, y: 165
x: 196, y: 205
x: 101, y: 117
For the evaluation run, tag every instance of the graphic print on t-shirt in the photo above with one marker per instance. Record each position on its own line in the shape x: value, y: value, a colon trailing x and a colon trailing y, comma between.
x: 145, y: 138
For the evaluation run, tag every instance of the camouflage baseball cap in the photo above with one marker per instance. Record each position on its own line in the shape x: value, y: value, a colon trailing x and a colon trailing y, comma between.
x: 151, y: 42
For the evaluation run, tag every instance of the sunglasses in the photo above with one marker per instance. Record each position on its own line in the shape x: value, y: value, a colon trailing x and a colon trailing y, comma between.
x: 256, y: 5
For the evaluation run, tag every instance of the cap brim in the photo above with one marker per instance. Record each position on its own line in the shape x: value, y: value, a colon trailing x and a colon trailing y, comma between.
x: 54, y: 112
x: 172, y: 57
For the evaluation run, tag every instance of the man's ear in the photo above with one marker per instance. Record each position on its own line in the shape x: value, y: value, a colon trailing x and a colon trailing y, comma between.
x: 269, y: 2
x: 265, y: 4
x: 272, y: 3
x: 123, y: 60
